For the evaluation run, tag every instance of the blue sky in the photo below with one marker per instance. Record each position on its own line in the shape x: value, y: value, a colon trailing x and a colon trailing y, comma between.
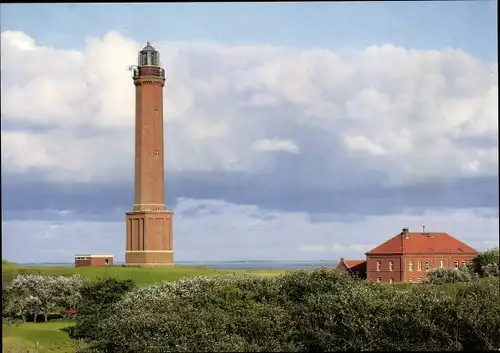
x: 469, y: 25
x: 300, y: 131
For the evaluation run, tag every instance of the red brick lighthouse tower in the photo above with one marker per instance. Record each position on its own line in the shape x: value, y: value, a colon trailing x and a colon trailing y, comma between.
x: 149, y: 225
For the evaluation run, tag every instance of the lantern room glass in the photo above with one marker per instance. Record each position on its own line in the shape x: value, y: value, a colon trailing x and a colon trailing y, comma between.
x: 149, y: 56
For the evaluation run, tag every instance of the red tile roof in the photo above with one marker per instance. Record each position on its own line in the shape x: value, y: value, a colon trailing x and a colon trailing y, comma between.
x: 422, y: 243
x: 353, y: 263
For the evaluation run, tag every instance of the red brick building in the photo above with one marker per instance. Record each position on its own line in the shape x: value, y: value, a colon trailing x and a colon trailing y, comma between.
x: 149, y: 229
x: 354, y: 267
x: 408, y: 256
x: 88, y: 260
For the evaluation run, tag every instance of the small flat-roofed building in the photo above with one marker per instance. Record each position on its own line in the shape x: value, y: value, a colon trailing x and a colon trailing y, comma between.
x: 88, y: 260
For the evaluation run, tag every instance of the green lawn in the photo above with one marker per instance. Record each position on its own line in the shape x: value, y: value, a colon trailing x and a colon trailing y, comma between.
x: 37, y: 337
x: 138, y: 275
x: 23, y: 338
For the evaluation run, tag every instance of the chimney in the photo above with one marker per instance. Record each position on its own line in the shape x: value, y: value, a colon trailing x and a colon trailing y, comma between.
x: 405, y: 232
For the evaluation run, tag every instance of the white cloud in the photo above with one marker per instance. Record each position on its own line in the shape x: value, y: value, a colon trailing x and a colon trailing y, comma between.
x: 275, y: 144
x: 338, y: 248
x: 69, y: 114
x: 215, y: 230
x: 363, y: 144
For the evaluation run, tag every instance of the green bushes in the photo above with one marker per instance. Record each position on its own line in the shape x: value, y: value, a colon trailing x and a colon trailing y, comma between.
x: 34, y: 295
x: 96, y: 304
x: 451, y: 275
x: 478, y: 311
x: 317, y: 310
x: 487, y: 263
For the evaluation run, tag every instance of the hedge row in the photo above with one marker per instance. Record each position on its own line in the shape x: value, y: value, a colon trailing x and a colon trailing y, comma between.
x: 316, y: 310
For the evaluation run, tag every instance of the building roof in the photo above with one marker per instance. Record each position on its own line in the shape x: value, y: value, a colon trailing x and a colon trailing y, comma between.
x: 92, y: 255
x: 148, y: 47
x: 422, y: 243
x: 353, y: 266
x: 353, y: 263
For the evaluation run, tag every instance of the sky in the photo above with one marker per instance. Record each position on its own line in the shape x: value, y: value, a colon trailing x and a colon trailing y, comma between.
x: 293, y: 131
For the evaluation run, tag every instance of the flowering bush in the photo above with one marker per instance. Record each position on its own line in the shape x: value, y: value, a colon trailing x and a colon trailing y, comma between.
x: 33, y: 295
x: 315, y: 310
x: 451, y: 275
x: 491, y: 270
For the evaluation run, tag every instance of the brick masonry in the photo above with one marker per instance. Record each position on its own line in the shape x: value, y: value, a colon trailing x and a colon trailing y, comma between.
x: 149, y: 235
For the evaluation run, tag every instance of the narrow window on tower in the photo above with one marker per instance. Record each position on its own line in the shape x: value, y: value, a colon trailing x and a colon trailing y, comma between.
x: 156, y: 109
x: 157, y: 153
x: 144, y: 59
x: 154, y: 58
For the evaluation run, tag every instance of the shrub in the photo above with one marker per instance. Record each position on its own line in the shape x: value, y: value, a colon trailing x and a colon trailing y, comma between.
x: 451, y: 275
x: 198, y: 314
x: 32, y: 295
x: 317, y: 310
x: 478, y: 312
x: 486, y: 261
x: 491, y: 270
x: 97, y: 299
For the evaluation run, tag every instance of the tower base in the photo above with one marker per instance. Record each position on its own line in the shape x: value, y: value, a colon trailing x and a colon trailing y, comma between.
x: 149, y: 258
x: 149, y: 239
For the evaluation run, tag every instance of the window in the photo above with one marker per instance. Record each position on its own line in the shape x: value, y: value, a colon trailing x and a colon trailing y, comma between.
x: 410, y: 279
x: 391, y: 279
x: 410, y: 266
x: 106, y: 261
x: 419, y: 266
x: 419, y: 279
x: 378, y: 265
x: 463, y: 264
x: 427, y: 265
x: 154, y: 58
x: 391, y: 265
x: 144, y: 59
x: 456, y: 264
x: 441, y: 264
x: 379, y: 279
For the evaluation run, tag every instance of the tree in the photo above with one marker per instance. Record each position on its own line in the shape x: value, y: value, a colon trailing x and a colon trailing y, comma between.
x: 96, y: 303
x: 487, y: 263
x: 37, y: 294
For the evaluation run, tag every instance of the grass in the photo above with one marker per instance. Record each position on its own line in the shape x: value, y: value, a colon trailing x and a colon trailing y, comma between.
x: 37, y: 337
x: 23, y: 338
x: 138, y: 275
